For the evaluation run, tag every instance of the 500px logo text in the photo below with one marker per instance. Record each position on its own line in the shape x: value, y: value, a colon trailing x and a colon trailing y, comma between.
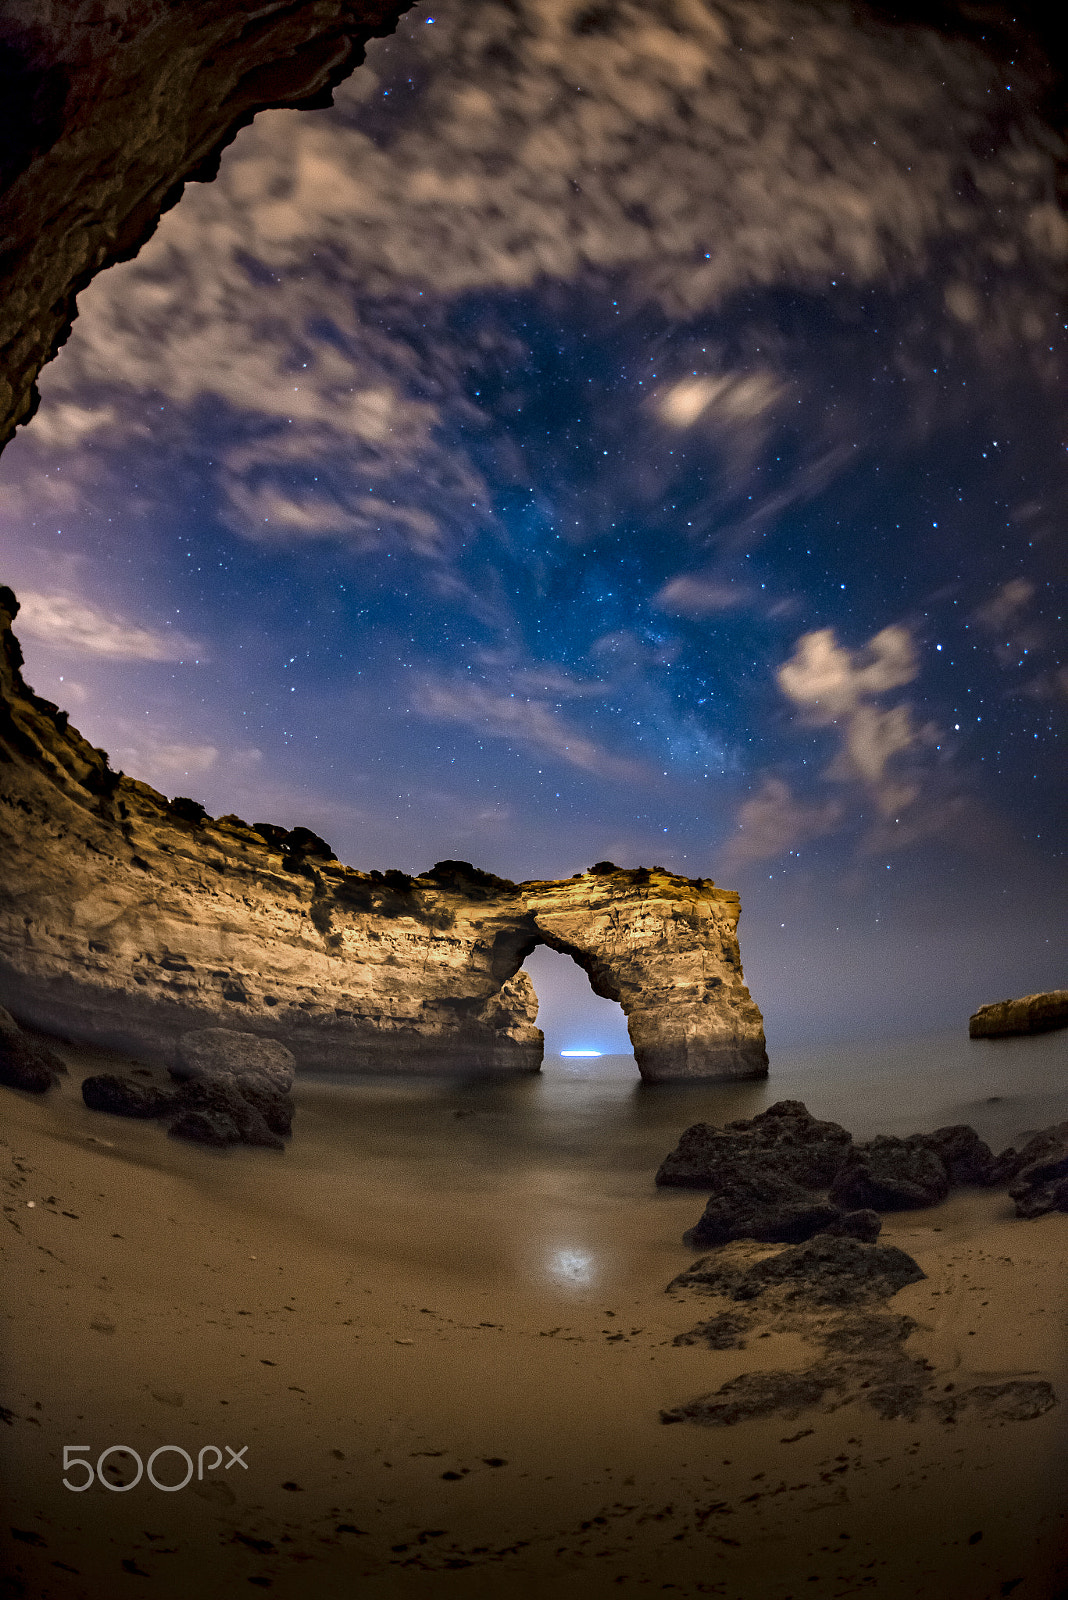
x: 76, y: 1455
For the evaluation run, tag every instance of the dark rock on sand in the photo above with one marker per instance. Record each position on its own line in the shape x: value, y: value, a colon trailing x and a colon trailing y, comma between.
x: 1032, y: 1013
x: 274, y: 1107
x: 759, y: 1205
x: 966, y: 1158
x: 205, y: 1127
x: 1041, y: 1180
x: 263, y: 1063
x: 211, y: 1106
x: 785, y: 1139
x: 890, y: 1174
x: 863, y: 1225
x: 825, y: 1270
x: 122, y: 1097
x: 26, y: 1064
x: 722, y: 1332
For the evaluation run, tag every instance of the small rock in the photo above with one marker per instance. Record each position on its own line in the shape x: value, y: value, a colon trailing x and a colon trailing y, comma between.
x: 759, y: 1205
x: 824, y: 1270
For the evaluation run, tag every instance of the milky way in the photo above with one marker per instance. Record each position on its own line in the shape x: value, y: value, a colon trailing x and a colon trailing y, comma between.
x: 610, y: 430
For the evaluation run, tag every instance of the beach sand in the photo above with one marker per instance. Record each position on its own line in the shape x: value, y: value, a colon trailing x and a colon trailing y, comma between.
x: 449, y: 1386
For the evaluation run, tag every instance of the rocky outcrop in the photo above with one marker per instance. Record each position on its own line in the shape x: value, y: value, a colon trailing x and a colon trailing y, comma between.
x: 130, y: 920
x: 110, y: 109
x: 1032, y: 1013
x: 784, y: 1176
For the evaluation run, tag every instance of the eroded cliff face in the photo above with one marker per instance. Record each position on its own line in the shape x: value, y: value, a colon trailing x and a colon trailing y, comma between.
x: 128, y: 920
x: 109, y: 107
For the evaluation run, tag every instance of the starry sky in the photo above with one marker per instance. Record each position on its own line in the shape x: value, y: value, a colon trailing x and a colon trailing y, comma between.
x: 611, y: 430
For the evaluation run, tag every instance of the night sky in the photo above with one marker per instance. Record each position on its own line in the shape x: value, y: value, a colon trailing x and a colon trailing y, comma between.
x: 622, y: 430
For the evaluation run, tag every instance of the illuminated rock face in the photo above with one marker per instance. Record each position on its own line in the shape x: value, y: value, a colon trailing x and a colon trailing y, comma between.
x: 127, y: 920
x: 110, y: 107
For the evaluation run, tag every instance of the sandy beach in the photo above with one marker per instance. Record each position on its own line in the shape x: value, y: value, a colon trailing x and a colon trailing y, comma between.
x: 449, y: 1382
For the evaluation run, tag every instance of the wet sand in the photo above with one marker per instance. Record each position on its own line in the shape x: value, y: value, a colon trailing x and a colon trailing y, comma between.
x: 446, y: 1346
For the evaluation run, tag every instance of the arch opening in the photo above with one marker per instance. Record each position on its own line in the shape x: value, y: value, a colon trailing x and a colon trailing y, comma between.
x: 583, y: 1030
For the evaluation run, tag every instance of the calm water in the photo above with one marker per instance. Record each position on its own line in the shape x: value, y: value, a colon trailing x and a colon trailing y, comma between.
x: 546, y: 1183
x: 598, y: 1114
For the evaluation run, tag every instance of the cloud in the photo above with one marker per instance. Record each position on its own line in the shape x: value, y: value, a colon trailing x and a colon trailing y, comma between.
x: 67, y: 622
x: 774, y: 821
x: 685, y: 154
x: 161, y: 763
x: 692, y: 596
x: 531, y: 725
x: 829, y: 681
x: 835, y: 686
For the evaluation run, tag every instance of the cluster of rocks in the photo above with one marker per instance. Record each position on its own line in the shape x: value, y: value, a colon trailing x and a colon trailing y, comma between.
x: 25, y: 1063
x: 784, y: 1176
x: 233, y: 1088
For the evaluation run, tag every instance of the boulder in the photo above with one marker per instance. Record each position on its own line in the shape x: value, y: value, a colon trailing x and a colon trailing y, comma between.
x: 245, y: 1057
x: 964, y: 1155
x: 890, y: 1174
x: 275, y: 1108
x: 785, y: 1140
x: 27, y: 1065
x: 122, y: 1097
x: 1041, y: 1183
x: 222, y: 1102
x: 759, y: 1205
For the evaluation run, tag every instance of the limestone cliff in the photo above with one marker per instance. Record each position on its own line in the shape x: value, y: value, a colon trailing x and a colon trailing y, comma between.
x: 127, y: 920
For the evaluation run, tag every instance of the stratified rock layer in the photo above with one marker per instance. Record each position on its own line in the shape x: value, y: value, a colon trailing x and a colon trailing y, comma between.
x: 128, y: 920
x: 1032, y: 1013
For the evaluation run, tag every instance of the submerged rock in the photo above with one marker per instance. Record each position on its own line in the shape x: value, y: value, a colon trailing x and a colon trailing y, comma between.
x: 1032, y: 1013
x: 122, y: 1097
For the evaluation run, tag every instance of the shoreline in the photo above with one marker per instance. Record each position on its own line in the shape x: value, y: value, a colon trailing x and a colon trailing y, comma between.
x: 388, y: 1337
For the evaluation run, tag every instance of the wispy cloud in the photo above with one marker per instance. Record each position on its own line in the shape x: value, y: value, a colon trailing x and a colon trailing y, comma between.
x: 535, y: 726
x: 68, y: 622
x: 690, y: 595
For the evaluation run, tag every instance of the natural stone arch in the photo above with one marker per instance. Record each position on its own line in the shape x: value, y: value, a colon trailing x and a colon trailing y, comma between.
x: 128, y: 920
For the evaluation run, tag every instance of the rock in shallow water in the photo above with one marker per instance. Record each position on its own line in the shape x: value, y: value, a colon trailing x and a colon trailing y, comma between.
x: 1032, y: 1013
x: 785, y: 1140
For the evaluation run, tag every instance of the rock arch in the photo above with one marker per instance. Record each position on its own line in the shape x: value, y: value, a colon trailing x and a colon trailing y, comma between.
x: 127, y: 920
